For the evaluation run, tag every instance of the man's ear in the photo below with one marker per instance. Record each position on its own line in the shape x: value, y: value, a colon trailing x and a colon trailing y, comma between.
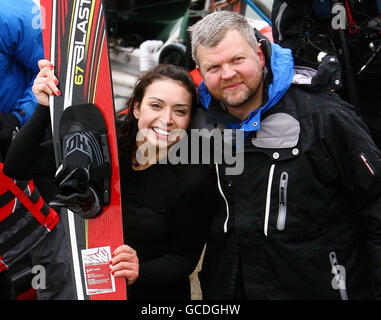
x: 136, y: 110
x: 261, y: 55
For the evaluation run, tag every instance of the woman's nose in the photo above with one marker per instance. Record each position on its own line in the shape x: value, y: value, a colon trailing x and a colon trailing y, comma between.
x: 167, y: 116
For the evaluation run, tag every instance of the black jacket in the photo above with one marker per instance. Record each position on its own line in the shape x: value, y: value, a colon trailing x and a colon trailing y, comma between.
x: 307, y: 203
x: 166, y: 216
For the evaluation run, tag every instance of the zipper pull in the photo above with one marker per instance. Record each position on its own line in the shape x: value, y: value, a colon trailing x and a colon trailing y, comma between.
x: 338, y: 282
x: 282, y: 201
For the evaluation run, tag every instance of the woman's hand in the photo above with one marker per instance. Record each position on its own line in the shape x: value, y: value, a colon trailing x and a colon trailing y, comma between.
x: 125, y: 263
x: 45, y: 83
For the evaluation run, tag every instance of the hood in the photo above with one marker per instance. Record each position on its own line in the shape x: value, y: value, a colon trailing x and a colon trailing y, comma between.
x: 280, y: 71
x: 326, y: 78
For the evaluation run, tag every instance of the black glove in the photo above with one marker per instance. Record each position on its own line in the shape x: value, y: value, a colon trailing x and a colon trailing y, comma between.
x: 9, y: 126
x: 82, y: 174
x: 76, y: 193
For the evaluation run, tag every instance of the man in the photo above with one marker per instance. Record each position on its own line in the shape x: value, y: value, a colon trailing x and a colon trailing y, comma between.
x: 303, y: 219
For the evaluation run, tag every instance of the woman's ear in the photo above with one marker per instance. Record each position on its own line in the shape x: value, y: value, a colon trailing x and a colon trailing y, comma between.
x: 136, y: 110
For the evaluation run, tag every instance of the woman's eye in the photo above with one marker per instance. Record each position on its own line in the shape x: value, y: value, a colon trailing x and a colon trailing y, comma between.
x: 181, y: 112
x: 155, y: 106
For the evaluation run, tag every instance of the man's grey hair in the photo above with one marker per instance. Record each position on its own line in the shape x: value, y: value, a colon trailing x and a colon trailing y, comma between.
x: 209, y: 31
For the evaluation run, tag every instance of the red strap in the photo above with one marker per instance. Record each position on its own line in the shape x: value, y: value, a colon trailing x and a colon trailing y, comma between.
x: 27, y: 203
x: 31, y: 186
x: 51, y: 219
x: 3, y: 266
x: 39, y: 204
x: 196, y: 76
x: 34, y: 209
x: 352, y: 25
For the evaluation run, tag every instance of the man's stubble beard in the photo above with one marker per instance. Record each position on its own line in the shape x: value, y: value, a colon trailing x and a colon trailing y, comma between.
x: 250, y: 93
x: 235, y: 103
x: 238, y: 103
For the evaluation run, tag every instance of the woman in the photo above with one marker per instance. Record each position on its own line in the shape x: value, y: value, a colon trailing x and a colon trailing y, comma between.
x: 166, y: 207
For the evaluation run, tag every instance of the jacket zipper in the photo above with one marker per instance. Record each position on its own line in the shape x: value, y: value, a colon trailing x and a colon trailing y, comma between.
x: 268, y: 199
x: 226, y: 201
x: 339, y: 279
x: 282, y: 211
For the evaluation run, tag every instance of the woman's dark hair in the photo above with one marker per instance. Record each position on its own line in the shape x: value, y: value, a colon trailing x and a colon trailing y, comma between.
x: 129, y: 128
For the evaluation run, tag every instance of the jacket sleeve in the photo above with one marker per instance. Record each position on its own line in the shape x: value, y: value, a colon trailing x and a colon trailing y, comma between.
x: 358, y: 162
x: 28, y: 156
x: 21, y: 41
x: 27, y: 104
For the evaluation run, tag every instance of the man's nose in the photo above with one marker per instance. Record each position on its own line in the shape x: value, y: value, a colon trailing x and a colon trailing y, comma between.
x: 228, y: 72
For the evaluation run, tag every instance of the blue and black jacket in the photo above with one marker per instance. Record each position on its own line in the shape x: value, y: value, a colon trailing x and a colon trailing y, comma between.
x: 307, y: 203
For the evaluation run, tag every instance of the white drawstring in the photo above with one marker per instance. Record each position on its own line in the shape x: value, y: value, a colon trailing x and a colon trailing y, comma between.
x: 268, y: 197
x: 226, y: 201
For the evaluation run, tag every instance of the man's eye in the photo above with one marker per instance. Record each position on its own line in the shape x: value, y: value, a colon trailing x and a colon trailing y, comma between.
x: 212, y: 68
x: 238, y: 59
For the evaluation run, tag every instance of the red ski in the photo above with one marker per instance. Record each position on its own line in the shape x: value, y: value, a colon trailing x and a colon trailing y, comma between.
x: 74, y: 34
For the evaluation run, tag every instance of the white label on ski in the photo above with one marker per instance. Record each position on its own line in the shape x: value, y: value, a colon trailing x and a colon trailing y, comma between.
x: 98, y: 278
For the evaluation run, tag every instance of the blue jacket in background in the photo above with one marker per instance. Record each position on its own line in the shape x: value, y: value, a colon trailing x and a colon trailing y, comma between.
x: 20, y: 49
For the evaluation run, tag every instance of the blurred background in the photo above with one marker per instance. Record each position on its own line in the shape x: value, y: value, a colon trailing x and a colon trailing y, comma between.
x: 146, y: 32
